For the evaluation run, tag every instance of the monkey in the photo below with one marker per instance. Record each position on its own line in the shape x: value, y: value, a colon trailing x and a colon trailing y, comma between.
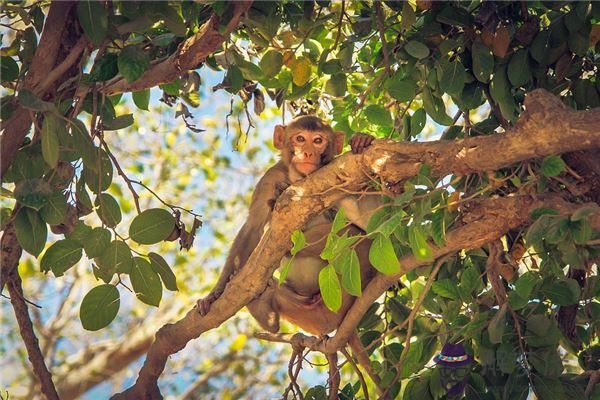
x: 305, y: 145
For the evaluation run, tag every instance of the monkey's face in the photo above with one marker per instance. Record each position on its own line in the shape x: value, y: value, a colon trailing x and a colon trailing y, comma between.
x: 306, y: 150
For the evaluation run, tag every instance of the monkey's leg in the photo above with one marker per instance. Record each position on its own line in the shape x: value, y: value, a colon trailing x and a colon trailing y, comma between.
x: 263, y: 309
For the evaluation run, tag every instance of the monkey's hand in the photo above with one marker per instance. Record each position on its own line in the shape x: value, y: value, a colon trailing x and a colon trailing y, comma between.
x: 280, y: 187
x: 203, y: 305
x: 360, y: 141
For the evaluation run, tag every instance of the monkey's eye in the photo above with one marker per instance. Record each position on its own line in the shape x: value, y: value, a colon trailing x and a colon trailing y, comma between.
x: 300, y: 138
x: 318, y: 140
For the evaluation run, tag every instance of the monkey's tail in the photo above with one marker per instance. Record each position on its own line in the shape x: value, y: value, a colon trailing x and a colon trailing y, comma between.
x: 364, y: 361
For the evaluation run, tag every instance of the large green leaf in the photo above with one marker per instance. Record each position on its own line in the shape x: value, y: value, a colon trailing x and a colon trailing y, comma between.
x: 453, y: 77
x: 519, y: 71
x: 416, y: 49
x: 403, y: 90
x: 418, y: 243
x: 31, y: 231
x: 141, y: 99
x: 383, y: 256
x: 54, y: 211
x: 146, y: 283
x: 61, y: 256
x: 378, y: 115
x: 152, y: 226
x: 99, y: 307
x: 271, y: 63
x: 96, y: 242
x: 331, y: 291
x: 446, y: 288
x: 93, y: 18
x: 435, y: 108
x: 33, y: 193
x: 116, y: 258
x: 9, y: 69
x: 553, y: 166
x: 50, y: 149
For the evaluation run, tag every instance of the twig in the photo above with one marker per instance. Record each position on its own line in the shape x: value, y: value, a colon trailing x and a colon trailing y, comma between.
x: 381, y: 27
x: 334, y: 376
x: 361, y: 378
x: 339, y: 32
x: 411, y: 318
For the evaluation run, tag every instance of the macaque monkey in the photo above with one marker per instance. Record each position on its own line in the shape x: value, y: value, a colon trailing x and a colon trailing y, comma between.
x: 306, y: 144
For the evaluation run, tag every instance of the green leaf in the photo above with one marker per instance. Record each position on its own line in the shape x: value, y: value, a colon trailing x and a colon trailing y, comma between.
x: 146, y: 283
x: 453, y: 78
x: 120, y: 122
x: 54, y: 211
x: 31, y: 101
x: 416, y: 49
x: 329, y: 285
x: 83, y: 143
x: 389, y: 225
x: 141, y: 99
x: 553, y: 166
x: 93, y: 18
x: 331, y: 67
x: 435, y: 108
x: 438, y: 227
x: 548, y: 388
x: 50, y: 128
x: 161, y: 267
x: 483, y: 61
x: 99, y: 307
x: 339, y: 221
x: 285, y: 268
x: 96, y: 242
x: 563, y: 293
x: 519, y: 71
x: 152, y: 226
x: 33, y: 193
x: 31, y: 231
x: 115, y: 258
x: 403, y: 90
x: 584, y: 212
x: 379, y: 115
x: 132, y: 63
x: 496, y: 326
x: 336, y: 85
x: 271, y: 63
x: 233, y: 79
x: 540, y: 47
x: 351, y: 280
x: 582, y: 232
x: 470, y: 281
x: 104, y: 68
x: 9, y: 69
x: 539, y: 324
x: 547, y: 362
x: 61, y: 256
x: 108, y: 209
x: 299, y: 241
x: 417, y: 122
x: 446, y: 288
x: 383, y: 256
x: 418, y: 243
x: 506, y: 357
x: 98, y: 176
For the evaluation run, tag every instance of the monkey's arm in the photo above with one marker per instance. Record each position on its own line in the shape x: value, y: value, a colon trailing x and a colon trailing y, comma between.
x: 266, y: 192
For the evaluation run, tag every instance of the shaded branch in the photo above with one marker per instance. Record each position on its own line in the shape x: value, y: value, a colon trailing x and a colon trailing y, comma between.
x: 546, y: 127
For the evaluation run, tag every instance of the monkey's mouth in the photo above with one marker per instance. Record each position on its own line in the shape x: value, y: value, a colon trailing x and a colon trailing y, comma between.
x: 306, y: 167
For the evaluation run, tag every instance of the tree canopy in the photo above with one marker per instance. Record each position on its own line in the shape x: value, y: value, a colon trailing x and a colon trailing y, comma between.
x: 488, y: 161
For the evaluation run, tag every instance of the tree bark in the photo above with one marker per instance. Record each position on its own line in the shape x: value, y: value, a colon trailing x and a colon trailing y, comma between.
x: 545, y: 128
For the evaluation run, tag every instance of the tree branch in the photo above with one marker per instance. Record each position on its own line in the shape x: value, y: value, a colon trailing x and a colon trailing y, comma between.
x: 9, y: 262
x: 190, y: 54
x: 545, y: 128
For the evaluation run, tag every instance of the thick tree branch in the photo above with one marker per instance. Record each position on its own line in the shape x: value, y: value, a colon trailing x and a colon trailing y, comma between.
x: 44, y: 59
x: 545, y: 128
x: 9, y: 262
x: 188, y: 56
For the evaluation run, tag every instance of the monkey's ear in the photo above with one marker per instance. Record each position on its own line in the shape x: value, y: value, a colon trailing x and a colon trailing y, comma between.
x: 338, y: 141
x: 279, y: 137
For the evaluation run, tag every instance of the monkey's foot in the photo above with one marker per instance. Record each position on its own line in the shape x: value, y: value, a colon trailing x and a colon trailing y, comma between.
x: 203, y: 305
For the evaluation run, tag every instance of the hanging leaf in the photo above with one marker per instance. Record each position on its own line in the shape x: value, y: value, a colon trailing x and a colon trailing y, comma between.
x: 403, y: 90
x: 31, y: 231
x: 351, y: 280
x: 383, y: 256
x: 50, y: 149
x: 519, y: 71
x: 418, y: 243
x: 54, y: 211
x: 329, y: 285
x: 152, y: 226
x: 96, y: 241
x: 61, y: 256
x: 445, y: 288
x: 161, y: 267
x: 483, y: 61
x: 379, y: 115
x: 132, y: 63
x: 104, y: 68
x: 435, y: 108
x: 108, y: 209
x: 453, y: 77
x: 115, y: 258
x: 99, y: 307
x: 146, y: 283
x: 336, y: 85
x: 141, y: 99
x: 9, y: 69
x: 33, y: 193
x: 299, y: 241
x: 438, y: 227
x: 271, y: 63
x: 301, y: 71
x: 120, y: 122
x: 93, y: 18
